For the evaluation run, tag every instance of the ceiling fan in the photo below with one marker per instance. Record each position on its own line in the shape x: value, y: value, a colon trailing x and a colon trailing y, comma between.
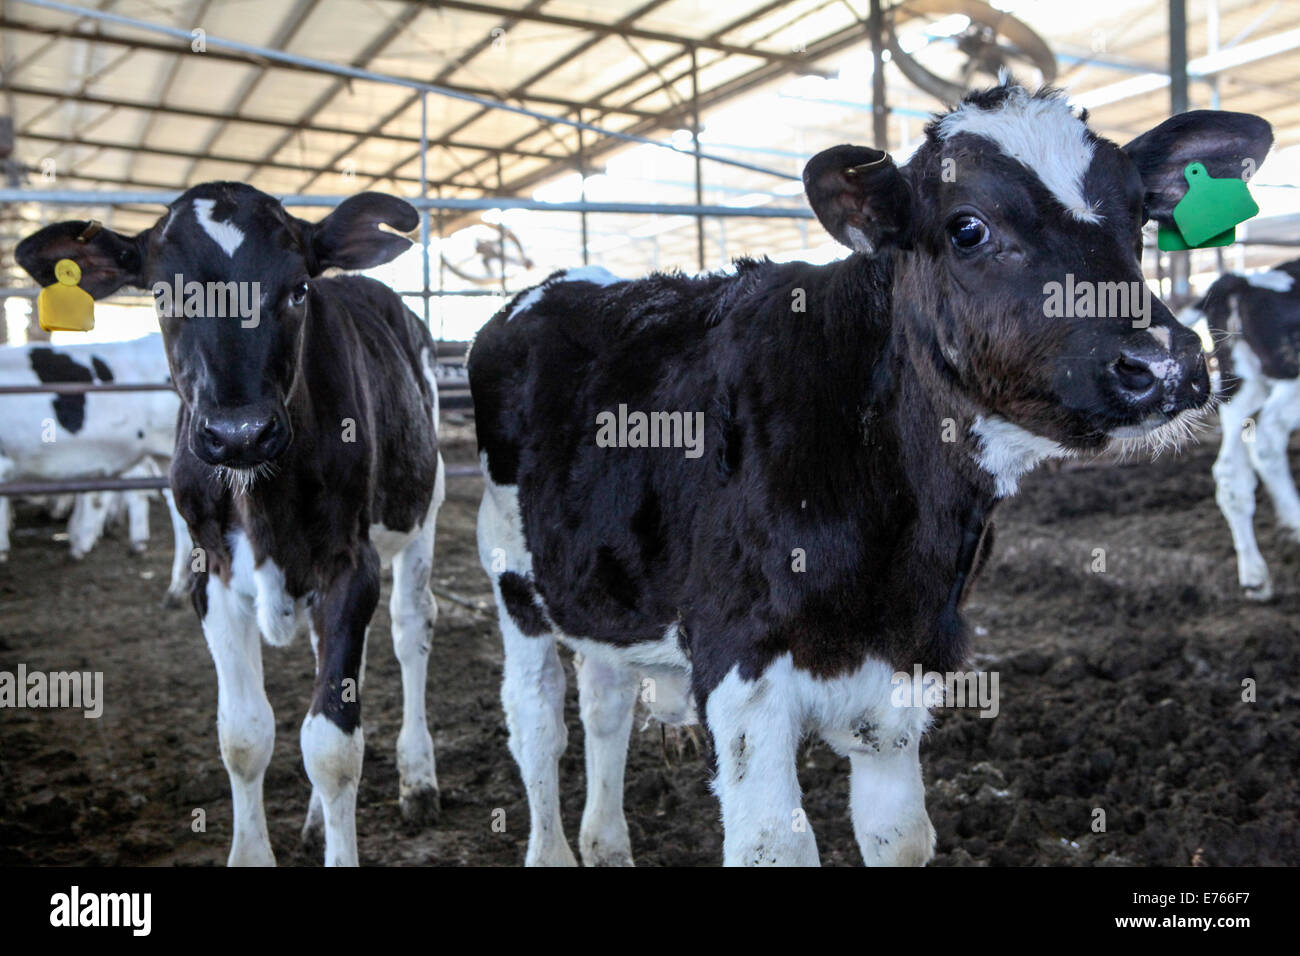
x: 947, y: 47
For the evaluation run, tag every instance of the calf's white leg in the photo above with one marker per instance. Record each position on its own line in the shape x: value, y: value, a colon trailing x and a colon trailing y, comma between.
x: 606, y: 699
x: 137, y: 505
x: 86, y: 523
x: 413, y: 611
x: 333, y: 758
x: 532, y: 692
x: 887, y: 804
x: 333, y: 741
x: 245, y: 722
x: 1234, y: 482
x: 182, y: 546
x: 137, y: 516
x: 532, y: 686
x: 756, y: 728
x: 1268, y: 452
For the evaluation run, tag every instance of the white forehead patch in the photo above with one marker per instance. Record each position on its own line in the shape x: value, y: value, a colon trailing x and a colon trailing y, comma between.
x: 228, y: 236
x: 1272, y: 280
x: 1043, y: 134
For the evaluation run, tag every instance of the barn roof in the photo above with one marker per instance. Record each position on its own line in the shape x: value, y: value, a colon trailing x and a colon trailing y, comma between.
x: 107, y: 105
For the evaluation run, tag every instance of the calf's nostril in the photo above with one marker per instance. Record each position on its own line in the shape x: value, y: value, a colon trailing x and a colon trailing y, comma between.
x: 1134, y: 374
x: 265, y: 434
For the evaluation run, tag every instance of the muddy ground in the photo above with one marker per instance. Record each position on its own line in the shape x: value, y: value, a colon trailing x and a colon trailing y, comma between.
x: 1119, y: 691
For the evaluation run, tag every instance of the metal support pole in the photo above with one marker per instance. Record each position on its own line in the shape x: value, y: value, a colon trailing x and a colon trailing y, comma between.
x: 1180, y: 263
x: 699, y: 172
x: 879, y: 110
x: 424, y: 213
x: 1177, y: 56
x: 582, y: 175
x: 442, y: 270
x: 501, y: 224
x: 1211, y: 47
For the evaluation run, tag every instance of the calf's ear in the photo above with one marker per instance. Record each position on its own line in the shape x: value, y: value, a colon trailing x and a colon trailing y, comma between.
x: 860, y: 197
x: 1227, y: 144
x: 350, y: 237
x: 108, y: 260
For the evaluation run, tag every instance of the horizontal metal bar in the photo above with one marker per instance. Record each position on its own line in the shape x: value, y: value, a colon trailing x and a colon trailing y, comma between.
x: 70, y: 197
x: 352, y: 72
x: 81, y: 388
x: 93, y: 100
x: 802, y: 61
x: 81, y: 486
x: 447, y: 393
x: 8, y: 25
x: 86, y: 485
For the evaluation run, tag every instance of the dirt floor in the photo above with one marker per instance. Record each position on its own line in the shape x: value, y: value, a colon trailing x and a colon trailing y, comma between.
x: 1120, y: 691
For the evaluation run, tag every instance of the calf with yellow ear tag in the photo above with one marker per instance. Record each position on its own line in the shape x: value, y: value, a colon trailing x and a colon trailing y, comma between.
x: 65, y: 306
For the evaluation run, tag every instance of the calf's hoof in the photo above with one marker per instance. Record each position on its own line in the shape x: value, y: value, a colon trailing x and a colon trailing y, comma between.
x: 1258, y: 592
x: 909, y: 844
x: 421, y: 806
x: 558, y: 855
x: 607, y: 857
x: 614, y: 850
x: 173, y: 600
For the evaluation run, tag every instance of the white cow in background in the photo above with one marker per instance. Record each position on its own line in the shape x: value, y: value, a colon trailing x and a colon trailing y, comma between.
x: 46, y: 436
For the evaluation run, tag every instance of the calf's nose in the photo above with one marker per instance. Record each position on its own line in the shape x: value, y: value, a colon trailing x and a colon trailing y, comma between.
x: 1136, y: 374
x: 1171, y: 380
x: 240, y: 438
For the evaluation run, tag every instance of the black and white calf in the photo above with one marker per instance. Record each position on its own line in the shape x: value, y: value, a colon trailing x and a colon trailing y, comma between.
x: 99, y: 434
x: 1255, y: 324
x: 306, y: 455
x: 861, y: 420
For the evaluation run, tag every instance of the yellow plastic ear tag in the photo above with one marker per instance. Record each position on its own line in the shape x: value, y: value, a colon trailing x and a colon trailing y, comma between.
x: 65, y: 306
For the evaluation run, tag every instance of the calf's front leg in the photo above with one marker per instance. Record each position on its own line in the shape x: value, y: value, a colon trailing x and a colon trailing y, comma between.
x: 606, y: 702
x: 245, y: 722
x: 333, y: 743
x: 887, y: 804
x: 756, y: 727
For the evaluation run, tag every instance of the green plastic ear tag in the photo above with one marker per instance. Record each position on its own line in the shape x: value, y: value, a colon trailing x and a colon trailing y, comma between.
x: 1211, y: 206
x: 1169, y: 239
x: 65, y: 306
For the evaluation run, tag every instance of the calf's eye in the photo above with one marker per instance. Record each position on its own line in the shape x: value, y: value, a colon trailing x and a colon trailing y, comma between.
x: 299, y: 294
x: 967, y: 232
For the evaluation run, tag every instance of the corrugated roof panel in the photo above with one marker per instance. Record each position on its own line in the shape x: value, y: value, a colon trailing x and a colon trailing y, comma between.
x: 516, y: 54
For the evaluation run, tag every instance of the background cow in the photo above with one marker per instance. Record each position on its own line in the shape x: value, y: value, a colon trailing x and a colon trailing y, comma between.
x: 45, y: 436
x: 1254, y: 321
x: 306, y: 454
x: 861, y: 420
